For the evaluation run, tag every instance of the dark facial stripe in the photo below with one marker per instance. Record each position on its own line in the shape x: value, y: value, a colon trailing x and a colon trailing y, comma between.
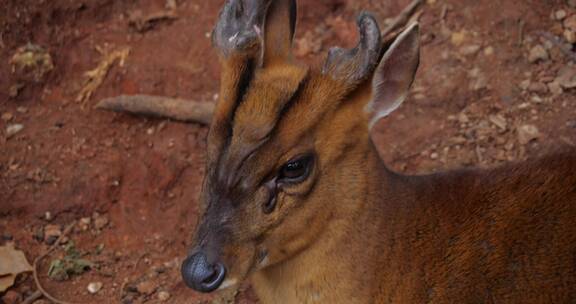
x: 230, y: 174
x: 241, y: 89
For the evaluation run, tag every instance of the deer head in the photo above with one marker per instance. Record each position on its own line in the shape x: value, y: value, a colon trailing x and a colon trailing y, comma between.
x: 285, y: 136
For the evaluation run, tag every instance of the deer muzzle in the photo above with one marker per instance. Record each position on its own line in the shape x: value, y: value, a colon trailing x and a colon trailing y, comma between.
x: 201, y: 275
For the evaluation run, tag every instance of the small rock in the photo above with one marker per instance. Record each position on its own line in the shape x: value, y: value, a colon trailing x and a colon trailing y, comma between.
x: 146, y: 287
x: 163, y: 296
x: 536, y: 99
x: 7, y: 116
x: 463, y: 118
x: 478, y: 79
x: 498, y: 120
x: 94, y: 287
x: 11, y: 297
x: 470, y: 50
x: 555, y: 88
x: 479, y: 83
x: 567, y: 77
x: 100, y: 221
x: 525, y: 84
x: 538, y: 87
x: 570, y: 23
x: 84, y: 223
x: 560, y: 14
x: 13, y: 129
x: 433, y: 155
x: 52, y: 233
x: 489, y: 51
x: 570, y: 36
x: 527, y: 133
x: 21, y: 109
x: 457, y: 38
x: 538, y: 53
x: 48, y: 216
x: 171, y: 4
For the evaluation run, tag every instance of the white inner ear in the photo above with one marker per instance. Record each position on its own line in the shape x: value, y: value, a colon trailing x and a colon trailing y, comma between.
x: 383, y: 111
x: 394, y: 75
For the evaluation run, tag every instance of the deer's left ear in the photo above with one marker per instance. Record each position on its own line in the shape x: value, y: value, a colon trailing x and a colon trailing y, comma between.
x: 395, y: 74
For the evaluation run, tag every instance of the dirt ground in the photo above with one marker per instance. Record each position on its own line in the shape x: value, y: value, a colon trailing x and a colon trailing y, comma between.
x: 496, y: 84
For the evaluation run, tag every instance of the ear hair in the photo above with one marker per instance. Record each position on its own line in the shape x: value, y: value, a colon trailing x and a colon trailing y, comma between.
x: 395, y: 73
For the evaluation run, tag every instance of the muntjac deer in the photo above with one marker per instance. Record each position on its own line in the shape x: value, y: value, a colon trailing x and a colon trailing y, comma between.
x: 297, y: 200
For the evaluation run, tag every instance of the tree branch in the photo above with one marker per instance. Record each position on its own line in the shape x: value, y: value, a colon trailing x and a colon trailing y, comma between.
x: 160, y: 106
x: 403, y: 18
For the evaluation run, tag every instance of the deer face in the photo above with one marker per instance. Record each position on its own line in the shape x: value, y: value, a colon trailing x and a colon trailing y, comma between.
x: 283, y: 137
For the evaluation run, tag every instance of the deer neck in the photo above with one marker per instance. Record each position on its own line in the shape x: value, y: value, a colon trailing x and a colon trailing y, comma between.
x: 342, y: 247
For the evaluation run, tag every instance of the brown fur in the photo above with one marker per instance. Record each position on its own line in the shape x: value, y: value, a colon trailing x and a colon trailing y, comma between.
x: 355, y: 232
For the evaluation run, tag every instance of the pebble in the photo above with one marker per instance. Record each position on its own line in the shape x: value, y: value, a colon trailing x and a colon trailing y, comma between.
x: 52, y: 233
x: 457, y: 38
x: 570, y: 36
x: 13, y: 129
x: 489, y: 51
x: 538, y: 53
x: 555, y: 88
x: 538, y: 87
x: 567, y: 77
x: 84, y: 223
x: 433, y: 155
x: 525, y: 84
x: 570, y: 23
x: 7, y: 116
x: 146, y: 287
x: 498, y: 120
x: 94, y: 287
x: 163, y: 296
x: 100, y: 221
x: 560, y: 14
x: 463, y: 118
x: 527, y: 133
x: 470, y: 50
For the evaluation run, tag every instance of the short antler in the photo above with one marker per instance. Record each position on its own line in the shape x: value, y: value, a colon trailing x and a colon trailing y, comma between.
x: 356, y: 64
x: 239, y: 27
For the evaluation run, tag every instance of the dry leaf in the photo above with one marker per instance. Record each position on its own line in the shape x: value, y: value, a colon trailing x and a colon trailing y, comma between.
x: 95, y: 77
x: 12, y: 263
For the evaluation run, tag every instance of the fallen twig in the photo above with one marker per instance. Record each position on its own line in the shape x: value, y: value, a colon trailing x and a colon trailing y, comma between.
x: 521, y: 25
x: 558, y: 43
x: 159, y: 106
x: 146, y: 23
x: 41, y: 291
x: 403, y: 18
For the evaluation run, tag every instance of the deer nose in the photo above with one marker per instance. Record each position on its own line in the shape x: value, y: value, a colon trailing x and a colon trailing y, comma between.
x: 200, y: 275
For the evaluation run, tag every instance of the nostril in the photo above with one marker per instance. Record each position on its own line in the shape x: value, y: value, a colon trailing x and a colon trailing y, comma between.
x: 201, y: 275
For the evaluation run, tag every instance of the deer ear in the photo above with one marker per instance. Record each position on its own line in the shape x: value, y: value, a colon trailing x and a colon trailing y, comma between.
x: 279, y: 31
x: 395, y: 74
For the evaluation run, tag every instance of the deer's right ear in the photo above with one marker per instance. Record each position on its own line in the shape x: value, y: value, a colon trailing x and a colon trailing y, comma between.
x: 395, y: 74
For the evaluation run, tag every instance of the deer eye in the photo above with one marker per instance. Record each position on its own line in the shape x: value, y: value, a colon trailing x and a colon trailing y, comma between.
x: 296, y: 170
